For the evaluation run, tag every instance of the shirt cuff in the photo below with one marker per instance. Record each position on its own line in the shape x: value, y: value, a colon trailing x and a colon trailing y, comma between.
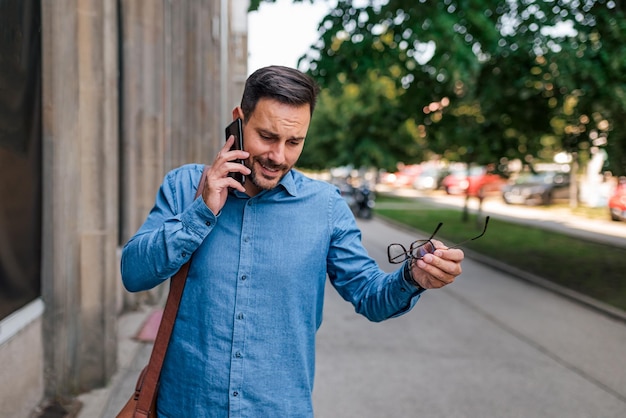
x: 198, y: 218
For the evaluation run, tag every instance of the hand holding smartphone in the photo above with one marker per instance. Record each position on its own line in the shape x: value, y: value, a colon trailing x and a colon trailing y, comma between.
x: 236, y: 129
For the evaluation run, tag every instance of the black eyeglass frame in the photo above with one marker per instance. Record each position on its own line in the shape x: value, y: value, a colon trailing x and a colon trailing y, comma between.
x: 405, y: 255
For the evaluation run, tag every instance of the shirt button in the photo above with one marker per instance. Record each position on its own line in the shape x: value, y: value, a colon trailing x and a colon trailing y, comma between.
x: 238, y: 354
x: 239, y: 316
x: 402, y: 289
x: 244, y: 277
x: 183, y: 255
x: 235, y: 393
x: 249, y: 202
x: 208, y: 223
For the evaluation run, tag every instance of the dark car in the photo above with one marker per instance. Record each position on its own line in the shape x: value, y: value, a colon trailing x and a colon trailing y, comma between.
x: 617, y: 203
x: 537, y: 188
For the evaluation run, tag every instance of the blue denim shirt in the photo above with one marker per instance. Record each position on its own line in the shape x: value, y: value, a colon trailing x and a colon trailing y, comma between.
x: 244, y: 340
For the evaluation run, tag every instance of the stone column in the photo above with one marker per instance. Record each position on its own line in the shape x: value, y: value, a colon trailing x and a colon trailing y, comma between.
x: 143, y: 96
x: 80, y: 193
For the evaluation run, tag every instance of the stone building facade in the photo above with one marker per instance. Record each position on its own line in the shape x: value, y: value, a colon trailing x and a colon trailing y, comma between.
x: 128, y: 90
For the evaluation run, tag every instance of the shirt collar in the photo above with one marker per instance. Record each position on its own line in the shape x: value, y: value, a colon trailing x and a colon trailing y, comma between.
x: 289, y: 183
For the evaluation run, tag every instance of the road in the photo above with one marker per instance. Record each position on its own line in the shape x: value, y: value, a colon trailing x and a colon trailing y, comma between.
x: 488, y: 345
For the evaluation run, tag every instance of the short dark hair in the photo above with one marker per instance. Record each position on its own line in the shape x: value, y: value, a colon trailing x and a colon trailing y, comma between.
x: 284, y: 84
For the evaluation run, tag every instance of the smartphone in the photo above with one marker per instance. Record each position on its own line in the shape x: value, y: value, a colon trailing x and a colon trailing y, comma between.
x: 236, y: 129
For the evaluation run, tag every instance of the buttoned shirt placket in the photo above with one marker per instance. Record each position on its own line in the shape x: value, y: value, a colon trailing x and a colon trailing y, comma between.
x: 244, y: 275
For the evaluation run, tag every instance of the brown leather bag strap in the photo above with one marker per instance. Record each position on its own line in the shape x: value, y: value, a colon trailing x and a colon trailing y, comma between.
x: 177, y: 285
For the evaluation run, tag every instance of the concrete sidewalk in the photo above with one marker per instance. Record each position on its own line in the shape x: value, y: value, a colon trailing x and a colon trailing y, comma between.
x: 133, y: 355
x: 490, y: 345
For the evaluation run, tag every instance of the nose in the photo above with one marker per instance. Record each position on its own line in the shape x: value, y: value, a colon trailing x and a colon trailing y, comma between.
x: 277, y: 152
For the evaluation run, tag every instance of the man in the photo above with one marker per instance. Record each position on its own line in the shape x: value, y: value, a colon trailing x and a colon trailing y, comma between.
x: 244, y: 340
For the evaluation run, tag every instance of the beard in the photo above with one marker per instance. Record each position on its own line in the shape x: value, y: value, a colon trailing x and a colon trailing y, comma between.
x: 263, y: 182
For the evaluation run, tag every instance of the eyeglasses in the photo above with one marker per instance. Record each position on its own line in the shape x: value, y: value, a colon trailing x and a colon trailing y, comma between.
x: 397, y: 253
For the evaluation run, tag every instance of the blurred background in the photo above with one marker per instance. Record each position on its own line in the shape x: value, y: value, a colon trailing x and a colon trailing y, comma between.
x: 479, y: 105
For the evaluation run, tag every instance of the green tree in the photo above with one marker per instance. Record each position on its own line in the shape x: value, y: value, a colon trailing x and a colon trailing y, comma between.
x: 488, y: 79
x: 590, y: 73
x: 359, y: 125
x: 448, y: 56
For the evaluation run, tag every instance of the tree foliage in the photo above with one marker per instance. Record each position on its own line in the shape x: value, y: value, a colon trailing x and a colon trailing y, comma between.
x: 360, y: 125
x: 474, y: 80
x: 592, y: 76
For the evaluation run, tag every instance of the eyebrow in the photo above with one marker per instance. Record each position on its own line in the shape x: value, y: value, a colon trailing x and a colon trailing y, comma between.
x: 272, y: 135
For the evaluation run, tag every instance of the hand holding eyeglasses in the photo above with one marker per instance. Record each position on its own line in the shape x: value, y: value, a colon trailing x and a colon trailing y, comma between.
x: 432, y: 264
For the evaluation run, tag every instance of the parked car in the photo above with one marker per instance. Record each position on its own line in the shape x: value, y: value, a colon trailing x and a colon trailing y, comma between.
x: 406, y: 175
x: 430, y: 178
x: 617, y: 203
x: 541, y: 188
x: 480, y: 182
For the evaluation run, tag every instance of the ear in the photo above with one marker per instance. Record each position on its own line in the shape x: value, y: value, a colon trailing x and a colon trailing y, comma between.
x: 237, y: 113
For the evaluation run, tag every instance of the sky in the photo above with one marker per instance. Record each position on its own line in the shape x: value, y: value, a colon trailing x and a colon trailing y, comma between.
x: 280, y: 33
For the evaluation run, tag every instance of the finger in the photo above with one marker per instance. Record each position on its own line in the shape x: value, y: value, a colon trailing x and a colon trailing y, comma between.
x: 438, y: 244
x: 446, y: 266
x: 232, y: 167
x: 442, y: 270
x: 439, y: 275
x: 229, y: 143
x: 234, y: 184
x: 430, y: 281
x: 225, y: 148
x: 451, y: 254
x: 228, y: 154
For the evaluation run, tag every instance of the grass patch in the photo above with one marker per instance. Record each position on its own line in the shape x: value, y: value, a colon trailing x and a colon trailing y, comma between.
x: 590, y: 268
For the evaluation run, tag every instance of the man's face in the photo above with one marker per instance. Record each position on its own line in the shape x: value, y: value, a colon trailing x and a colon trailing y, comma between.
x: 274, y: 136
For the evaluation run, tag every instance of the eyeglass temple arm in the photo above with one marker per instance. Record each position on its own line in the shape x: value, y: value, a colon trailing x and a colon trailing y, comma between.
x: 472, y: 239
x: 435, y: 232
x: 484, y: 229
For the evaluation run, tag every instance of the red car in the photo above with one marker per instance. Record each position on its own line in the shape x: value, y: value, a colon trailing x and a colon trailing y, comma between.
x: 403, y: 177
x: 617, y: 202
x: 479, y: 182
